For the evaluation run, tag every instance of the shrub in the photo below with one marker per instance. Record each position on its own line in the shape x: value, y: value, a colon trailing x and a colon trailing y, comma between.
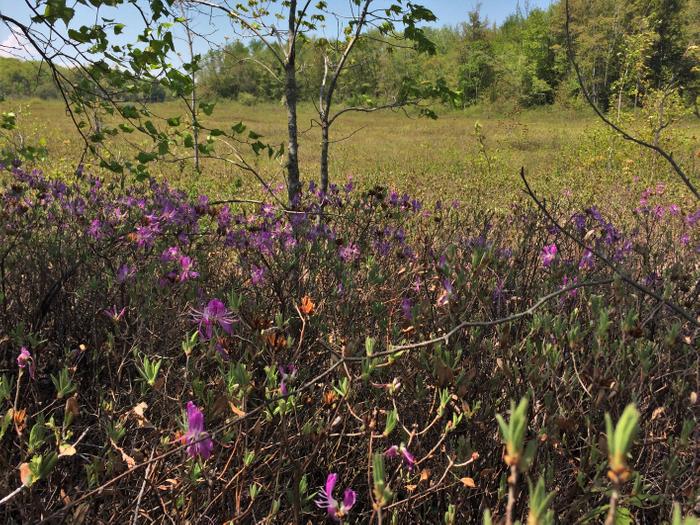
x: 320, y: 344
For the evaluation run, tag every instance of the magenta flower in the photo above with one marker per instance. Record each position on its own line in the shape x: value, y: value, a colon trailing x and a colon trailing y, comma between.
x: 447, y: 291
x: 391, y: 388
x: 336, y: 511
x: 114, y: 314
x: 349, y: 253
x: 566, y: 282
x: 123, y: 273
x: 170, y: 254
x: 549, y: 253
x: 408, y: 458
x: 215, y: 312
x: 257, y: 275
x: 288, y: 374
x: 186, y: 271
x: 95, y: 229
x: 587, y: 262
x: 407, y: 308
x: 25, y: 360
x: 200, y: 444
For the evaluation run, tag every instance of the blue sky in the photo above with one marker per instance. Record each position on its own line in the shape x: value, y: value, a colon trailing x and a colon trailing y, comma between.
x: 449, y: 12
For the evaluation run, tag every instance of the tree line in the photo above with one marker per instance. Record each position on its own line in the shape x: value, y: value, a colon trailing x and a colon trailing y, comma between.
x: 624, y: 48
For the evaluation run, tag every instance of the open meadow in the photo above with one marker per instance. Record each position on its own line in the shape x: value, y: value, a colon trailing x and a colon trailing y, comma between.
x: 244, y: 281
x: 562, y: 150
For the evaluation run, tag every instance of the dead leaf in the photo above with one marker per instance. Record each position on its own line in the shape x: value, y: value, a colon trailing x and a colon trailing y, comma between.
x: 72, y: 406
x: 236, y: 410
x: 139, y: 411
x: 468, y: 482
x: 425, y: 474
x: 329, y: 397
x: 19, y: 418
x: 411, y: 488
x: 658, y: 412
x: 307, y: 305
x: 169, y: 484
x: 25, y: 474
x: 220, y: 406
x: 130, y: 462
x: 66, y: 449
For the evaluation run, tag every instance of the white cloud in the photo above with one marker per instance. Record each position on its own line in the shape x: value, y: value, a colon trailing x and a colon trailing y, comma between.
x: 16, y: 46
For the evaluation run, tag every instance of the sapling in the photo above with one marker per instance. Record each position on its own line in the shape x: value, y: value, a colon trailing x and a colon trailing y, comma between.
x: 620, y: 439
x: 517, y: 455
x: 540, y: 499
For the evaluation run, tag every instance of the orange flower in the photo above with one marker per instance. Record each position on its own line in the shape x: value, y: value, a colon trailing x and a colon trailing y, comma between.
x: 307, y: 305
x: 276, y: 341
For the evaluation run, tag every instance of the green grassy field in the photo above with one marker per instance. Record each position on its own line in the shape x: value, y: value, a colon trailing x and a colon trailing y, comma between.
x: 436, y: 159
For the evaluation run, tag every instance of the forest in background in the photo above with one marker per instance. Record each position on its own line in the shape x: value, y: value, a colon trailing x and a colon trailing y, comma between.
x: 624, y: 48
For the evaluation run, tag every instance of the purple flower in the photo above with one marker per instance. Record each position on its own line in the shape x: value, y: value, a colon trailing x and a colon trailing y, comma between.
x: 349, y: 186
x: 288, y: 374
x: 95, y: 230
x: 257, y: 275
x: 349, y: 253
x: 579, y: 220
x: 215, y: 312
x: 566, y: 282
x: 114, y: 314
x: 499, y: 290
x: 393, y: 198
x: 198, y: 441
x: 186, y: 272
x: 224, y: 217
x: 170, y: 254
x: 124, y: 272
x: 446, y: 293
x: 408, y: 458
x: 407, y: 308
x: 587, y: 262
x: 336, y: 511
x: 25, y: 360
x: 549, y: 253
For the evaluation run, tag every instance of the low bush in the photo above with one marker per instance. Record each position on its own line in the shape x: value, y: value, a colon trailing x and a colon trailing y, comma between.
x: 184, y: 359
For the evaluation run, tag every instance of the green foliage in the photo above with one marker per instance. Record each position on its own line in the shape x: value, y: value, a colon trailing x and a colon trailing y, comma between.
x: 148, y: 369
x: 678, y: 519
x: 540, y: 500
x: 63, y: 383
x: 382, y: 492
x: 513, y: 431
x: 620, y: 439
x: 40, y: 466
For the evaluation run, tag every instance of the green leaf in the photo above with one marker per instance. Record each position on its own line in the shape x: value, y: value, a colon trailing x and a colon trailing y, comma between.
x: 57, y: 10
x: 145, y: 158
x: 207, y: 107
x: 238, y: 128
x: 150, y: 127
